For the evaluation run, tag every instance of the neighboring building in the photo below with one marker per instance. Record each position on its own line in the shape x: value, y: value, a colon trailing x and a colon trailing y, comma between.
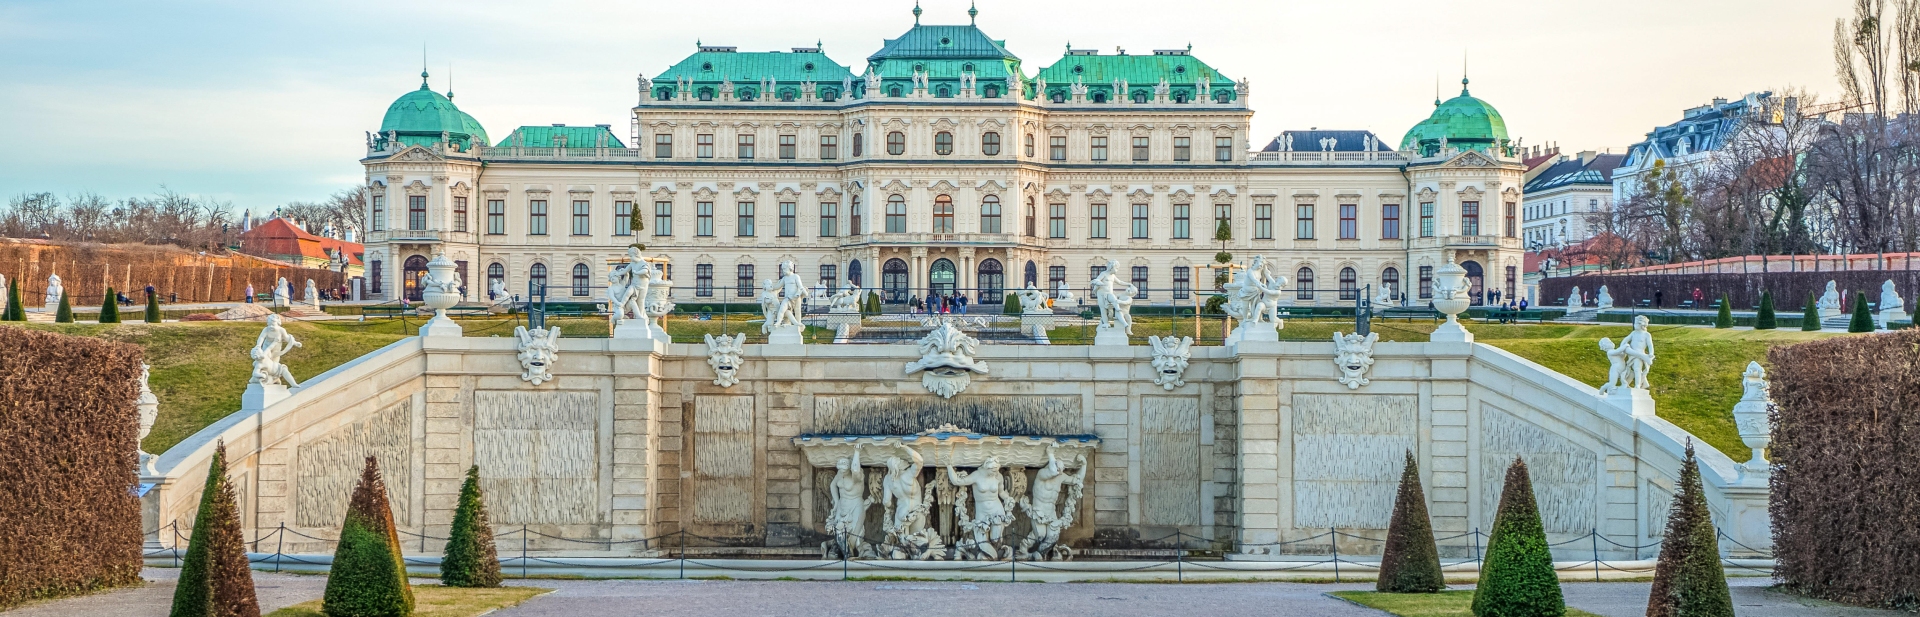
x: 1561, y: 197
x: 1684, y: 145
x: 281, y: 240
x: 941, y: 167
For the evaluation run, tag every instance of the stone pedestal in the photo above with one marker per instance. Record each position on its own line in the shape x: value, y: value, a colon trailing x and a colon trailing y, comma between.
x: 1888, y: 315
x: 1254, y: 332
x: 632, y: 328
x: 258, y: 397
x: 843, y: 319
x: 1035, y: 326
x: 1634, y: 401
x: 440, y: 325
x: 785, y: 335
x: 1114, y: 336
x: 1451, y: 332
x: 1826, y: 313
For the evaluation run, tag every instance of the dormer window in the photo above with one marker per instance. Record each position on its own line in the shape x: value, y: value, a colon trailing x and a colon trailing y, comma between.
x: 1180, y: 97
x: 786, y: 95
x: 1099, y: 97
x: 808, y: 67
x: 829, y: 94
x: 1139, y: 96
x: 747, y: 94
x: 1179, y: 70
x: 968, y: 67
x: 707, y: 67
x: 992, y: 91
x: 1222, y: 96
x: 1077, y: 69
x: 893, y: 91
x: 943, y: 92
x: 664, y: 94
x: 945, y: 41
x: 918, y: 67
x: 706, y: 94
x: 1059, y: 96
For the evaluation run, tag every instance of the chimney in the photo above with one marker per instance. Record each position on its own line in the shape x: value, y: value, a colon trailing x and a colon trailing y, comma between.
x: 1586, y: 156
x: 1718, y: 101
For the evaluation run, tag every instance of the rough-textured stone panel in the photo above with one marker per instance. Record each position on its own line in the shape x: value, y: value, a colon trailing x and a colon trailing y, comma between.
x: 537, y: 452
x: 1565, y: 475
x: 1170, y: 460
x: 873, y: 415
x: 330, y: 466
x: 723, y: 459
x: 1347, y: 456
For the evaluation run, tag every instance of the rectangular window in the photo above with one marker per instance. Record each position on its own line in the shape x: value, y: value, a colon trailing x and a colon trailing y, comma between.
x: 1182, y: 221
x: 537, y: 217
x: 703, y: 280
x: 1140, y: 220
x: 1182, y: 283
x: 1426, y: 282
x: 1223, y: 149
x: 1349, y: 221
x: 829, y: 274
x: 663, y: 145
x: 1095, y: 271
x: 1390, y: 221
x: 1097, y: 221
x: 829, y: 220
x: 379, y: 216
x: 1140, y: 149
x: 497, y: 216
x: 1303, y: 221
x: 1263, y: 221
x: 703, y: 218
x: 745, y: 150
x: 1057, y: 148
x: 459, y: 214
x: 1426, y: 220
x: 743, y: 281
x: 853, y: 216
x: 1512, y: 230
x: 896, y: 215
x: 416, y: 212
x: 1512, y: 275
x: 1140, y: 282
x: 663, y: 218
x: 829, y: 147
x: 1470, y: 218
x: 623, y: 220
x: 990, y: 215
x: 789, y: 221
x: 743, y: 221
x: 789, y: 147
x: 582, y: 218
x: 1099, y: 149
x: 1056, y: 220
x: 858, y: 148
x: 704, y: 145
x: 1055, y: 276
x: 1222, y: 213
x: 1183, y: 149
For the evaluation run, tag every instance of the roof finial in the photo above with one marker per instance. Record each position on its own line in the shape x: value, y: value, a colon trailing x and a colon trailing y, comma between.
x: 1463, y: 73
x: 916, y: 12
x: 449, y: 81
x: 973, y: 11
x: 423, y: 67
x: 1436, y: 90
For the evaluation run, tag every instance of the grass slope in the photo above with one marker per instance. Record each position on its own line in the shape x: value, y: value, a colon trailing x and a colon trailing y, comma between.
x: 438, y: 601
x: 1443, y: 604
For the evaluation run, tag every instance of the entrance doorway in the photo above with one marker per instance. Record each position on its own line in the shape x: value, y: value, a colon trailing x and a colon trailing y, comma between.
x: 1476, y: 282
x: 411, y: 273
x: 941, y: 277
x: 893, y: 281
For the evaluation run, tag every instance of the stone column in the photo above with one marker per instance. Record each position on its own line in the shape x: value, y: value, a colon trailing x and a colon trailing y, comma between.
x: 637, y: 431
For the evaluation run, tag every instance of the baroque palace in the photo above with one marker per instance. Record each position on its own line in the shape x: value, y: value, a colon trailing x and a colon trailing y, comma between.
x: 943, y: 166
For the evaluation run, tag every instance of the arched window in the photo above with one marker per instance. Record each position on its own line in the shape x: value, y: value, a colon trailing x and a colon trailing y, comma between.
x: 663, y: 94
x: 853, y: 273
x: 1139, y: 96
x: 787, y: 95
x: 992, y: 91
x: 1476, y: 282
x: 829, y: 94
x: 1059, y: 96
x: 893, y: 281
x: 496, y: 273
x: 1099, y: 97
x: 894, y: 91
x: 1180, y: 96
x: 1390, y: 279
x: 1349, y: 284
x: 1303, y: 284
x: 411, y: 272
x: 990, y: 214
x: 537, y: 280
x: 941, y: 277
x: 1222, y: 96
x: 747, y: 94
x: 896, y: 214
x: 706, y: 94
x: 1032, y: 228
x: 1032, y: 274
x: 896, y: 143
x: 993, y: 282
x: 990, y: 143
x: 943, y: 214
x: 943, y: 143
x: 582, y: 277
x: 943, y: 92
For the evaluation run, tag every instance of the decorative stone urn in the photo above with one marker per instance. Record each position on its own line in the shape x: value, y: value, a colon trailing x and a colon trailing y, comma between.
x: 440, y: 292
x: 1450, y: 298
x: 1750, y: 417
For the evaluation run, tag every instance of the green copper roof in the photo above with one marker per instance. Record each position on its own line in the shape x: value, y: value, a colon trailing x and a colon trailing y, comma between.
x: 1181, y: 71
x: 944, y: 53
x: 929, y: 42
x: 712, y: 65
x: 422, y: 115
x: 1464, y: 121
x: 561, y: 137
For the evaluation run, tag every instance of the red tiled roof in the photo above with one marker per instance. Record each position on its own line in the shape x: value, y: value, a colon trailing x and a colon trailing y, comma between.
x: 279, y: 237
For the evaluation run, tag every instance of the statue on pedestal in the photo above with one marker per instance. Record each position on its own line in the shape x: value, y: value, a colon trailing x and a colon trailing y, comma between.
x: 1629, y: 362
x: 992, y: 509
x: 272, y: 345
x: 627, y: 286
x: 55, y: 289
x: 1829, y: 303
x: 1116, y: 304
x: 1033, y: 301
x: 1045, y: 517
x: 846, y: 520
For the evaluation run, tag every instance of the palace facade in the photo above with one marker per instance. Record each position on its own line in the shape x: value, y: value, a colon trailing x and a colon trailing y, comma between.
x: 943, y: 166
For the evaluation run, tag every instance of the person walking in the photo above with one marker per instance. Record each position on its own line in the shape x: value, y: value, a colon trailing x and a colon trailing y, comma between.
x: 963, y: 303
x: 913, y: 304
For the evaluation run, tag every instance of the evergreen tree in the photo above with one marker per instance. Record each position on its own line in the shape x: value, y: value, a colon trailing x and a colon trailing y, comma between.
x: 1810, y: 316
x: 64, y: 314
x: 1765, y: 320
x: 1411, y: 563
x: 1688, y: 581
x: 110, y: 307
x: 471, y: 559
x: 1013, y: 306
x: 153, y: 308
x: 15, y: 310
x: 368, y: 577
x: 873, y: 303
x: 1725, y: 319
x: 1862, y: 318
x: 1518, y: 579
x: 215, y: 578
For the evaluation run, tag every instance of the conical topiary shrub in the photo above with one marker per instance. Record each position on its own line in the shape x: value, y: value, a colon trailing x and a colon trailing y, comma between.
x: 873, y: 303
x: 1517, y: 579
x: 1862, y: 318
x: 1765, y: 320
x: 153, y: 308
x: 15, y: 310
x: 1688, y: 581
x: 1411, y: 563
x: 1725, y: 319
x: 1810, y: 316
x: 1012, y: 305
x: 471, y: 558
x: 215, y: 579
x: 368, y: 578
x: 110, y: 307
x: 64, y: 314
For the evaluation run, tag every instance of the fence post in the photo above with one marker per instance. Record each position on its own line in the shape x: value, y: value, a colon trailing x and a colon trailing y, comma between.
x: 843, y: 555
x: 1333, y: 539
x: 523, y: 551
x: 1014, y: 568
x: 1594, y: 534
x: 683, y: 552
x: 279, y: 546
x: 1476, y: 553
x: 1180, y: 557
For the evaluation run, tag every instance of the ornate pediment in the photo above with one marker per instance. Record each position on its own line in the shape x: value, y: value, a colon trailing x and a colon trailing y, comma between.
x: 1057, y: 196
x: 1471, y: 158
x: 416, y: 154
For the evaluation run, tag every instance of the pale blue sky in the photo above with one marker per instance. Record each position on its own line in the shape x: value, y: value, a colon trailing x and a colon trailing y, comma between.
x: 265, y: 102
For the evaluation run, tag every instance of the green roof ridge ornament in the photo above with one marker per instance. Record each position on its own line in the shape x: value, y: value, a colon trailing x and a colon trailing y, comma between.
x: 973, y: 12
x: 916, y: 12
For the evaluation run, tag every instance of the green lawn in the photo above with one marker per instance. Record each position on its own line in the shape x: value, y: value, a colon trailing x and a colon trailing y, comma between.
x: 437, y: 601
x: 1443, y: 604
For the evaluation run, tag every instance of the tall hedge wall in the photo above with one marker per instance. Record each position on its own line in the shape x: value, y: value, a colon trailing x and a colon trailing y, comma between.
x: 1846, y: 500
x: 1744, y: 289
x: 68, y: 517
x: 87, y: 270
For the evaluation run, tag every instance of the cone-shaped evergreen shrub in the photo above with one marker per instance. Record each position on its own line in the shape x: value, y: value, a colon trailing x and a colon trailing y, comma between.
x: 153, y: 308
x: 1766, y: 319
x: 873, y: 303
x: 1725, y: 319
x: 1517, y: 579
x: 1012, y: 305
x: 15, y: 310
x: 64, y: 314
x: 1688, y: 581
x: 110, y: 308
x: 1411, y: 563
x: 1810, y: 316
x: 368, y: 578
x: 1862, y: 318
x: 215, y: 580
x: 471, y: 559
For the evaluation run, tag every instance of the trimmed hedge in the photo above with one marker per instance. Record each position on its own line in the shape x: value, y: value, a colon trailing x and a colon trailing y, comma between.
x: 215, y: 577
x: 65, y: 313
x: 69, y: 426
x: 1411, y: 563
x: 1518, y: 579
x: 1724, y: 320
x: 152, y: 314
x: 1688, y: 580
x: 1766, y: 320
x: 110, y: 307
x: 1862, y: 318
x: 1743, y: 289
x: 1666, y: 319
x: 1810, y: 316
x: 15, y: 311
x: 1844, y: 495
x: 471, y: 559
x: 368, y: 577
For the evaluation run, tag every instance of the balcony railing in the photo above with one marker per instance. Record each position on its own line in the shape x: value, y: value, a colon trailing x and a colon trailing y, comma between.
x: 1481, y: 241
x: 1325, y: 158
x: 581, y: 154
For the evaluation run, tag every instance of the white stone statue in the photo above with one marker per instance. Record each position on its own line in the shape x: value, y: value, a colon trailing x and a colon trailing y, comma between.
x: 1170, y: 358
x: 313, y: 295
x: 1354, y: 355
x: 1253, y: 297
x: 1385, y: 298
x: 1616, y: 365
x: 54, y: 291
x: 268, y: 350
x: 947, y: 360
x: 627, y: 286
x: 846, y: 518
x: 149, y: 406
x: 723, y: 354
x: 282, y: 295
x: 901, y: 495
x: 1115, y: 302
x: 1033, y: 301
x: 659, y: 299
x: 992, y: 510
x: 847, y: 300
x: 1605, y: 300
x: 1063, y: 294
x: 1829, y: 303
x: 1045, y: 516
x: 497, y: 292
x: 1750, y: 416
x: 1891, y: 305
x: 538, y: 350
x: 1575, y: 299
x: 1629, y: 363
